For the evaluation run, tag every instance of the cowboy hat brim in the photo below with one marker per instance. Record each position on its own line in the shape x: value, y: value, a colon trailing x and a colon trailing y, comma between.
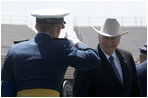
x: 108, y: 35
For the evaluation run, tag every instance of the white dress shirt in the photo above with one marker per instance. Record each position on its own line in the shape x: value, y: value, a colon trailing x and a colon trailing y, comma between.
x: 116, y: 61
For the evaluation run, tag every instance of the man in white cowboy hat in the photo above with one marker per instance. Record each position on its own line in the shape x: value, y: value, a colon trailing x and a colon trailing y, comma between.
x: 117, y: 75
x: 36, y: 68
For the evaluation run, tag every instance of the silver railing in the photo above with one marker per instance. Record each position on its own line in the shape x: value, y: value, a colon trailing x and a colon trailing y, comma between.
x: 77, y: 21
x: 97, y: 21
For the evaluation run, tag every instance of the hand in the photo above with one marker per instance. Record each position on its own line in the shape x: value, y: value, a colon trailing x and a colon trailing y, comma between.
x: 73, y: 39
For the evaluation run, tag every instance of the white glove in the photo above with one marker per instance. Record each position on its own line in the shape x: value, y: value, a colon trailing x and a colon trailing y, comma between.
x: 73, y: 39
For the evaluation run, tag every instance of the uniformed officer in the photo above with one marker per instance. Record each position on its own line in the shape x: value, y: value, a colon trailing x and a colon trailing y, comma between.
x: 36, y: 68
x: 143, y: 54
x: 142, y: 71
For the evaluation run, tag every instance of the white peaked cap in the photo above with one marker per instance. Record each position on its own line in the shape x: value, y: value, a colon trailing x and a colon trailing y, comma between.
x: 50, y: 13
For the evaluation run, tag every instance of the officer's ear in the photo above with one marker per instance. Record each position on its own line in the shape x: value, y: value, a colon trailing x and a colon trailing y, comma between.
x: 59, y: 27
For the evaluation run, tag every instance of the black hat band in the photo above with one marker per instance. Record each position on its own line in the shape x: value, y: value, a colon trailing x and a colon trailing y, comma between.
x: 51, y: 20
x: 143, y: 51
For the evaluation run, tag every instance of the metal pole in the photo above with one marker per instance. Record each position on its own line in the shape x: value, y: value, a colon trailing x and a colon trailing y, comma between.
x: 10, y: 19
x: 89, y: 21
x: 141, y: 21
x: 136, y: 21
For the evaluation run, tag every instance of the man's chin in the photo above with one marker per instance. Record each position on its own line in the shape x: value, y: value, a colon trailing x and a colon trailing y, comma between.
x: 110, y: 51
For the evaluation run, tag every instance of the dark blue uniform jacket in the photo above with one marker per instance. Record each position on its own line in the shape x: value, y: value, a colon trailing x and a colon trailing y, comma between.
x: 142, y: 78
x: 42, y: 62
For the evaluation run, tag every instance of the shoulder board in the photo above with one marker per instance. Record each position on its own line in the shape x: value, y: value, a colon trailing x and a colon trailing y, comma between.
x: 59, y: 39
x: 16, y: 42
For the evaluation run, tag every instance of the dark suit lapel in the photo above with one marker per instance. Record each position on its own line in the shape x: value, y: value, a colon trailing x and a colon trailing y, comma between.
x: 106, y: 64
x: 103, y: 57
x: 125, y: 71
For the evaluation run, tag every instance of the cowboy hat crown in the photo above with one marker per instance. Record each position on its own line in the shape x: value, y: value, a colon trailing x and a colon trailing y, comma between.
x: 110, y: 28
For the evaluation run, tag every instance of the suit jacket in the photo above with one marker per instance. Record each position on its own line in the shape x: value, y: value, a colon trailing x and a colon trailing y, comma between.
x: 43, y: 61
x: 103, y: 82
x: 142, y: 78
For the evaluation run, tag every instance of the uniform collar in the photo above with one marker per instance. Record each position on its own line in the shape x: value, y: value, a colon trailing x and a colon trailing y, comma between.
x: 42, y: 37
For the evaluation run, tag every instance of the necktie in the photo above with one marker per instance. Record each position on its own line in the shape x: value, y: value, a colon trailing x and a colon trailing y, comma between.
x: 114, y: 68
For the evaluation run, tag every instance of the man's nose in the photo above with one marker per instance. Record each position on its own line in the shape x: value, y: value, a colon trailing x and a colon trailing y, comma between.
x: 111, y: 41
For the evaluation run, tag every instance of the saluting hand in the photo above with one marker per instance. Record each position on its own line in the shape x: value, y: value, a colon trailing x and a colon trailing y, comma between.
x: 73, y: 39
